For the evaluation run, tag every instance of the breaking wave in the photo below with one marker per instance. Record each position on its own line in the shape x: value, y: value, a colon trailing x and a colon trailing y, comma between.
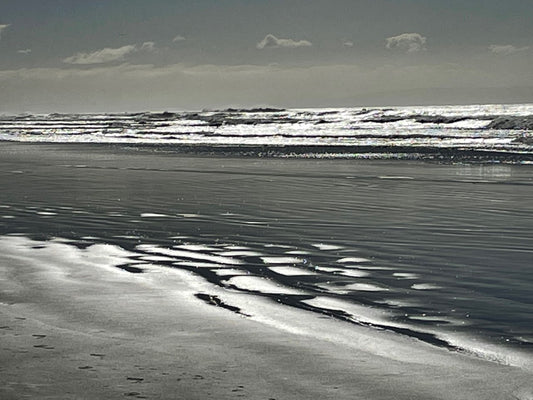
x: 456, y: 133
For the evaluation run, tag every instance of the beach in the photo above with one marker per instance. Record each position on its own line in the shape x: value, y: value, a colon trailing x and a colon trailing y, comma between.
x: 143, y: 272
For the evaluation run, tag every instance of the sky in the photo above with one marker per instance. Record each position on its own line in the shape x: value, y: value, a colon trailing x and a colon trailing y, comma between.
x: 133, y: 55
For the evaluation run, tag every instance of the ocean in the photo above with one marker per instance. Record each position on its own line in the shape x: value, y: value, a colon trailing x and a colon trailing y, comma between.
x: 469, y: 133
x: 416, y: 221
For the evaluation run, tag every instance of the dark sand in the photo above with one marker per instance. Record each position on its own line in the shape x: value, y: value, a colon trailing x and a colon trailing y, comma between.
x: 74, y: 327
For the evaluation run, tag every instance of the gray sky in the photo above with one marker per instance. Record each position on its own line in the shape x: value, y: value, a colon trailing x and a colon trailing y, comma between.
x: 130, y: 55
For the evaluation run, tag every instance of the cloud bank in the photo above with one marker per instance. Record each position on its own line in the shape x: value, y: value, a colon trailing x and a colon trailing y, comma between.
x: 108, y: 54
x: 2, y: 27
x: 410, y: 42
x: 129, y: 87
x: 271, y: 42
x: 506, y: 49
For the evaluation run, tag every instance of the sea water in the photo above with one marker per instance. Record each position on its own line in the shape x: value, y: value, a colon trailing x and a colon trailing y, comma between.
x: 437, y: 246
x: 482, y: 132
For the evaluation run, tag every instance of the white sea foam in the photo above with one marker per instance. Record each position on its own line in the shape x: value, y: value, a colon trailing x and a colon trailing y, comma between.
x: 291, y: 271
x: 154, y: 215
x: 234, y: 247
x: 353, y: 259
x: 282, y: 260
x: 297, y: 252
x: 325, y: 246
x: 46, y: 213
x: 425, y: 286
x: 405, y: 275
x: 189, y: 215
x: 280, y: 246
x: 352, y: 273
x: 396, y: 177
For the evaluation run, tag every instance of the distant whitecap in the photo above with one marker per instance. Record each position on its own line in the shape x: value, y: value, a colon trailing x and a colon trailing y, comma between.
x: 281, y: 260
x: 405, y: 275
x: 189, y: 215
x: 353, y: 259
x: 297, y: 252
x: 425, y: 286
x: 325, y: 246
x: 353, y: 273
x: 397, y: 177
x: 234, y: 247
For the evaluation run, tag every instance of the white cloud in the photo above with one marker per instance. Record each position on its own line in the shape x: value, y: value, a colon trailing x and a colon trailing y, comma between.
x: 101, y: 56
x: 506, y: 49
x: 108, y: 54
x: 24, y: 51
x: 272, y: 42
x: 2, y: 27
x: 179, y: 38
x: 410, y: 42
x: 348, y: 43
x: 148, y: 46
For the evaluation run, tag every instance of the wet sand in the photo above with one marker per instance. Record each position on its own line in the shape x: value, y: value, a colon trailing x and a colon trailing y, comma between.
x: 74, y: 326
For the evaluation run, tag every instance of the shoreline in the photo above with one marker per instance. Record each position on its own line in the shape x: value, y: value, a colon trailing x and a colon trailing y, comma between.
x: 429, y: 154
x: 74, y: 325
